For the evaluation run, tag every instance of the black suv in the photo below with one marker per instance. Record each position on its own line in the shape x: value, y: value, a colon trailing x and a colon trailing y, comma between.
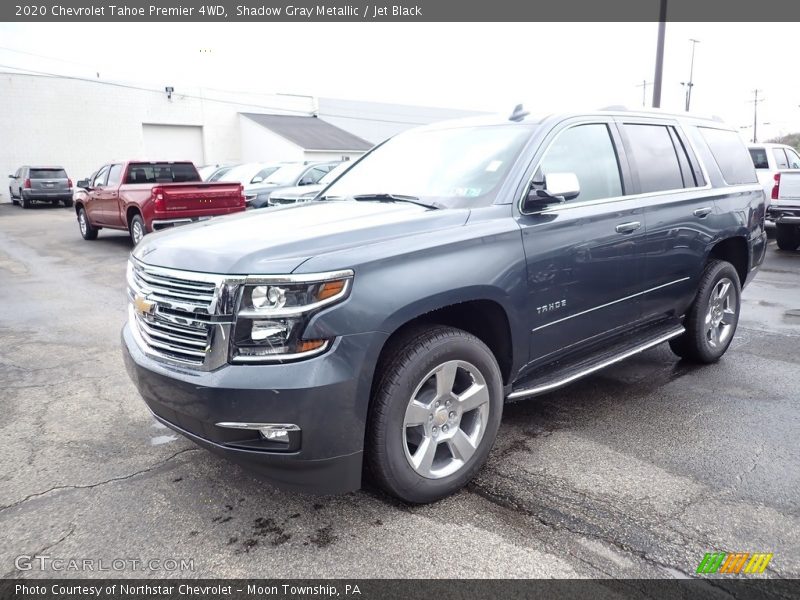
x: 381, y: 328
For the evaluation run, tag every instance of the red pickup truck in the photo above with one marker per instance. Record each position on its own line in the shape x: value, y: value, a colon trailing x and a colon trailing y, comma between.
x: 140, y: 197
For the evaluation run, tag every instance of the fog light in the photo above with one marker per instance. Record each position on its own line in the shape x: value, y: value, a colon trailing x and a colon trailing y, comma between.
x: 277, y: 433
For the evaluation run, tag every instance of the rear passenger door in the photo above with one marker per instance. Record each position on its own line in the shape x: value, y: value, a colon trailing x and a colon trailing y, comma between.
x: 584, y: 256
x: 680, y: 212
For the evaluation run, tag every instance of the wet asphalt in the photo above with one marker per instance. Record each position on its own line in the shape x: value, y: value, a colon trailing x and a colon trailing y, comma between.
x: 637, y: 471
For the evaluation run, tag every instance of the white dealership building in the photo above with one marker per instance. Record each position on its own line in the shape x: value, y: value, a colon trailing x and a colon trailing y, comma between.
x: 82, y: 123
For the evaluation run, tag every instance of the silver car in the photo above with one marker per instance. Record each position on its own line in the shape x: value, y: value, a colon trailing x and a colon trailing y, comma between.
x: 40, y: 184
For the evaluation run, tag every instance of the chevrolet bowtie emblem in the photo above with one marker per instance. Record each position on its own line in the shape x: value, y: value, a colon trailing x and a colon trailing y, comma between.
x: 143, y: 306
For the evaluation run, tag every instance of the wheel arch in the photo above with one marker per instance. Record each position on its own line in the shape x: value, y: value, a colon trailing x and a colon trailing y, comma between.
x: 734, y: 250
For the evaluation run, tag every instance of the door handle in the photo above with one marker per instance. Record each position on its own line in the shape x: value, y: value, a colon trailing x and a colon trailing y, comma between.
x: 703, y: 212
x: 628, y: 227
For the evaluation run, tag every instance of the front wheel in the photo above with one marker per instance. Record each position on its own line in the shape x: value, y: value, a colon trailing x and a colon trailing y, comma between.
x: 87, y: 230
x: 434, y: 414
x: 713, y: 317
x: 13, y: 198
x: 787, y: 236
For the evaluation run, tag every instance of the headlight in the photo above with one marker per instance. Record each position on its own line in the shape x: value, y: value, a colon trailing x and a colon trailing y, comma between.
x: 273, y: 315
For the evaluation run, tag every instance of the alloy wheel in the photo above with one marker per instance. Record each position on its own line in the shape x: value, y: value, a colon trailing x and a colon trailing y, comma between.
x: 721, y: 313
x: 445, y: 419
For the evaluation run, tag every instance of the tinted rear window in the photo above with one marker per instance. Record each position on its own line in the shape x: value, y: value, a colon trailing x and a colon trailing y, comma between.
x: 162, y: 173
x: 730, y: 155
x: 759, y: 156
x: 48, y: 174
x: 657, y: 161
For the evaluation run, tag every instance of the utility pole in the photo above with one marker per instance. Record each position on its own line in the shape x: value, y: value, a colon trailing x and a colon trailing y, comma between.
x: 662, y: 29
x: 644, y: 85
x: 755, y: 102
x: 690, y: 84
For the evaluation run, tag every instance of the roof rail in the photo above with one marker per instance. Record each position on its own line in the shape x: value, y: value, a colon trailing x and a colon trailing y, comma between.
x: 616, y: 107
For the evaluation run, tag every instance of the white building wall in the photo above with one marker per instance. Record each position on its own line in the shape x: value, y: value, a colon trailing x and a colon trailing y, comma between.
x: 259, y: 144
x: 83, y: 124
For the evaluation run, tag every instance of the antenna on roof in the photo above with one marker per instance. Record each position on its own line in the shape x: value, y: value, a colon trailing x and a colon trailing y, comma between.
x: 518, y: 114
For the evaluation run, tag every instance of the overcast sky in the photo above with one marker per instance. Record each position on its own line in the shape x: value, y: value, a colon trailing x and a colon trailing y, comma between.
x: 549, y: 66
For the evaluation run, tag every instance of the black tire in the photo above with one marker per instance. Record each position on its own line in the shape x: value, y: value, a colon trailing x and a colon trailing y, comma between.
x: 25, y: 202
x: 68, y: 203
x: 787, y: 236
x: 54, y: 202
x: 699, y: 344
x: 408, y: 366
x: 136, y: 229
x: 88, y: 231
x: 13, y: 197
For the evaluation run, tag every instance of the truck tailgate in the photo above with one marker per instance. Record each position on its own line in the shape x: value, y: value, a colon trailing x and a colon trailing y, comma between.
x: 789, y: 189
x: 205, y: 198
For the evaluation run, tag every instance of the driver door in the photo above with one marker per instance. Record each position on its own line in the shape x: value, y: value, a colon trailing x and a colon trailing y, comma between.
x: 94, y: 204
x: 585, y: 257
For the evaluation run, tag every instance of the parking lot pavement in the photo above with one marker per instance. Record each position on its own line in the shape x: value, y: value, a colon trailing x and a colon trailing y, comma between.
x: 634, y: 472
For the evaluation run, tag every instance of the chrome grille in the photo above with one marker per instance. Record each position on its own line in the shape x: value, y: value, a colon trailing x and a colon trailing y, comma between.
x: 173, y: 312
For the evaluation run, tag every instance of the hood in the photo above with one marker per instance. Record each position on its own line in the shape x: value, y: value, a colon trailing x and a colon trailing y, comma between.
x: 278, y: 240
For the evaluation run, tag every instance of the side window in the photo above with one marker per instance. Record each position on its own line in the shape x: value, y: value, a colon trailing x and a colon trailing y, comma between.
x: 730, y: 154
x: 794, y: 159
x: 100, y: 178
x: 655, y: 156
x: 683, y: 159
x: 780, y: 158
x: 759, y: 156
x: 115, y: 175
x: 589, y: 153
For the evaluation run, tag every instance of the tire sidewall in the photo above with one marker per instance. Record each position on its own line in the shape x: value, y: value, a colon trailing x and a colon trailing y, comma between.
x: 717, y: 272
x: 137, y: 219
x: 466, y: 348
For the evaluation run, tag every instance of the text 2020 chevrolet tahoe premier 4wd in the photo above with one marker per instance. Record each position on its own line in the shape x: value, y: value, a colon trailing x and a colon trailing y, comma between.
x: 384, y: 325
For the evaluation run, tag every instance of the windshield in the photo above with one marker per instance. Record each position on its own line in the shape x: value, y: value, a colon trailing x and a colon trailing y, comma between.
x: 286, y: 175
x: 456, y: 167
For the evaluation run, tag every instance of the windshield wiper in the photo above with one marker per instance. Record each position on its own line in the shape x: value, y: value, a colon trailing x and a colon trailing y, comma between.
x: 385, y: 197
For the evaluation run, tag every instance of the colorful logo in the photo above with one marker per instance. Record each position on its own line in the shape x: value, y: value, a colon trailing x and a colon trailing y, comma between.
x: 734, y: 562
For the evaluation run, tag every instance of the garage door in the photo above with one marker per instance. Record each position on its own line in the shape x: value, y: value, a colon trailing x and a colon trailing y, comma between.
x: 173, y: 142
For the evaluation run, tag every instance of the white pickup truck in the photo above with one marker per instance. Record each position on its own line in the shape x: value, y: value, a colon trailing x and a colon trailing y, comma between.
x: 778, y: 169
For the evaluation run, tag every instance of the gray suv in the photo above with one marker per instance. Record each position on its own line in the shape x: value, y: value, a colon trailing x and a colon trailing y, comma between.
x: 379, y: 329
x: 40, y: 184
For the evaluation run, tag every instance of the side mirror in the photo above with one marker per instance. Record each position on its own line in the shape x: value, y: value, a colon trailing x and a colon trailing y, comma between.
x: 556, y: 188
x: 257, y: 179
x: 13, y: 176
x: 83, y: 183
x: 306, y: 181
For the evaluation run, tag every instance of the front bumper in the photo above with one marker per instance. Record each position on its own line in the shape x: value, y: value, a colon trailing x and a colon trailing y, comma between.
x: 326, y: 396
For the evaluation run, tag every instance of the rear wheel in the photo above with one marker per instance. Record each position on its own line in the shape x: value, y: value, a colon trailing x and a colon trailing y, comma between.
x: 87, y: 230
x: 434, y: 415
x: 787, y: 236
x: 713, y: 317
x: 68, y: 202
x: 25, y: 202
x: 54, y: 202
x: 137, y: 229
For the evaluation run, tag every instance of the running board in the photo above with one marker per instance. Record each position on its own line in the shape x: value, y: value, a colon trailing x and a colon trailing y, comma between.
x: 559, y: 375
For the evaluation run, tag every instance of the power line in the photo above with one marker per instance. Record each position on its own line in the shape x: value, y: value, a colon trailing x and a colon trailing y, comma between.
x: 202, y: 98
